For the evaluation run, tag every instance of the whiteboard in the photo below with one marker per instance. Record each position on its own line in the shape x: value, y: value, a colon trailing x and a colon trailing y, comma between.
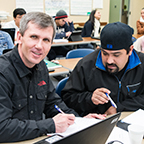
x: 97, y: 4
x: 30, y: 5
x: 53, y: 6
x: 81, y: 7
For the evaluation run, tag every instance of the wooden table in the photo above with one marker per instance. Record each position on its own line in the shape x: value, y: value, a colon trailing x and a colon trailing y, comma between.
x: 67, y: 66
x: 84, y: 41
x: 123, y: 115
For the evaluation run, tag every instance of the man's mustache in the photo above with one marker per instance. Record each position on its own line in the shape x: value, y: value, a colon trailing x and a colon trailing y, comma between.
x: 111, y: 64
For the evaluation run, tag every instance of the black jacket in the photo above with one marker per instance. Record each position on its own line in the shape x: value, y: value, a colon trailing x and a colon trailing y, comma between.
x: 24, y: 95
x: 87, y: 29
x: 90, y: 74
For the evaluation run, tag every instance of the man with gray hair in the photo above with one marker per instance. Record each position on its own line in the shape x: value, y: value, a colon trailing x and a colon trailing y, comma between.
x: 26, y: 89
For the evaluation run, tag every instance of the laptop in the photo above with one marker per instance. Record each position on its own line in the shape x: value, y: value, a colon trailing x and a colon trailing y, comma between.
x: 11, y: 32
x: 95, y: 134
x: 75, y: 36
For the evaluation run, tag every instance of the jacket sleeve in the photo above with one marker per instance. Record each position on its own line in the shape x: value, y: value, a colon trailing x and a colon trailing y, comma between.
x: 132, y: 104
x: 75, y: 93
x: 13, y: 129
x: 140, y: 27
x: 10, y: 42
x: 71, y: 27
x: 55, y: 99
x: 67, y: 28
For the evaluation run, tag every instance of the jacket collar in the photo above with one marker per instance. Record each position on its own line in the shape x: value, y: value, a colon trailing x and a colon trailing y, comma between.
x: 133, y: 61
x: 19, y: 65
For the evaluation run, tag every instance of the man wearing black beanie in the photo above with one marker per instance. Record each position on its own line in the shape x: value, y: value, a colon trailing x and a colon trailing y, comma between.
x: 64, y: 28
x: 116, y: 70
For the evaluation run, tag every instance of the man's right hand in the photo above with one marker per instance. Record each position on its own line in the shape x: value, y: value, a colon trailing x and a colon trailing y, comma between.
x: 68, y: 34
x: 63, y: 121
x: 99, y: 96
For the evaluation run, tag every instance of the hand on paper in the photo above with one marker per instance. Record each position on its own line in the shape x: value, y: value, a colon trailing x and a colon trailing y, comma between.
x: 63, y: 121
x: 94, y: 115
x: 111, y: 111
x: 99, y: 96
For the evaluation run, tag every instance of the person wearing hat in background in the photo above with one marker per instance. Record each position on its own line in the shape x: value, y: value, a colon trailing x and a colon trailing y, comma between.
x: 140, y: 23
x: 116, y: 69
x: 64, y: 28
x: 18, y: 13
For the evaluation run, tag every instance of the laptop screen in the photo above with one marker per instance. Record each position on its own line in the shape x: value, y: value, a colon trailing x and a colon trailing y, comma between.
x: 94, y: 134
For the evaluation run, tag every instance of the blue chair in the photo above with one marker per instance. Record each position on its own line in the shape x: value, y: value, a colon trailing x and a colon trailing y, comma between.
x: 77, y: 53
x: 61, y: 85
x: 133, y: 39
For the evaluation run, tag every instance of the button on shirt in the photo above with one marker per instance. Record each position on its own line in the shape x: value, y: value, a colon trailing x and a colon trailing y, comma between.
x: 25, y: 95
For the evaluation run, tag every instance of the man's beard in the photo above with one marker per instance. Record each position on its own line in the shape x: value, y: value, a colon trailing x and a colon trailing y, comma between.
x: 111, y: 70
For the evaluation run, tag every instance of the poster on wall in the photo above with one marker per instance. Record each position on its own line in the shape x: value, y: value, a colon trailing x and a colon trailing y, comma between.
x: 97, y: 4
x: 53, y: 6
x: 30, y: 5
x: 81, y: 7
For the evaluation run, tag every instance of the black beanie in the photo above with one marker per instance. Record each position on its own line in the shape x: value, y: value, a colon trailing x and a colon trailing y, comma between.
x: 116, y: 36
x: 61, y: 14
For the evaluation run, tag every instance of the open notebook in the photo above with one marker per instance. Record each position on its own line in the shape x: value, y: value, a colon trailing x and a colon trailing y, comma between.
x: 84, y: 131
x: 51, y: 65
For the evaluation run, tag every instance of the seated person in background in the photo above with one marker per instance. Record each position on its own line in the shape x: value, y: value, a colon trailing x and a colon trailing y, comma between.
x: 139, y: 44
x: 64, y: 28
x: 140, y: 23
x: 26, y: 91
x: 17, y: 15
x: 5, y: 41
x: 92, y: 27
x: 116, y: 69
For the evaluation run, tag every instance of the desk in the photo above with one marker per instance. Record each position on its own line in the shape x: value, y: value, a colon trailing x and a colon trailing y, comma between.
x: 85, y: 41
x: 68, y: 66
x: 123, y: 115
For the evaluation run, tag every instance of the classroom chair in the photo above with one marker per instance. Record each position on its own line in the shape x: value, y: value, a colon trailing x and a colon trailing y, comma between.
x: 61, y: 85
x: 77, y: 53
x: 133, y: 39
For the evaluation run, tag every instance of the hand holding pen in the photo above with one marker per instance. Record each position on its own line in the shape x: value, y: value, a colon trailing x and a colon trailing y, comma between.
x: 112, y: 102
x: 62, y: 121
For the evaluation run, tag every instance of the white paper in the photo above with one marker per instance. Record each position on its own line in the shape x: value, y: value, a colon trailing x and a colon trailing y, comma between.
x: 80, y: 124
x: 118, y: 134
x: 135, y: 118
x: 60, y: 40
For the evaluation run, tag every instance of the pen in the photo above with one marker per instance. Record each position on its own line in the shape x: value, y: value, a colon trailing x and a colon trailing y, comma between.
x: 112, y: 102
x: 58, y: 109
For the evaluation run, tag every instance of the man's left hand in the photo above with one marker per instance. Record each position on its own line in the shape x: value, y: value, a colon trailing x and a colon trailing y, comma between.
x: 99, y: 116
x: 111, y: 111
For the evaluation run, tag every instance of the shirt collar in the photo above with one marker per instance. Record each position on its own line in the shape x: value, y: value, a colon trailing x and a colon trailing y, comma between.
x: 19, y: 65
x: 133, y: 61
